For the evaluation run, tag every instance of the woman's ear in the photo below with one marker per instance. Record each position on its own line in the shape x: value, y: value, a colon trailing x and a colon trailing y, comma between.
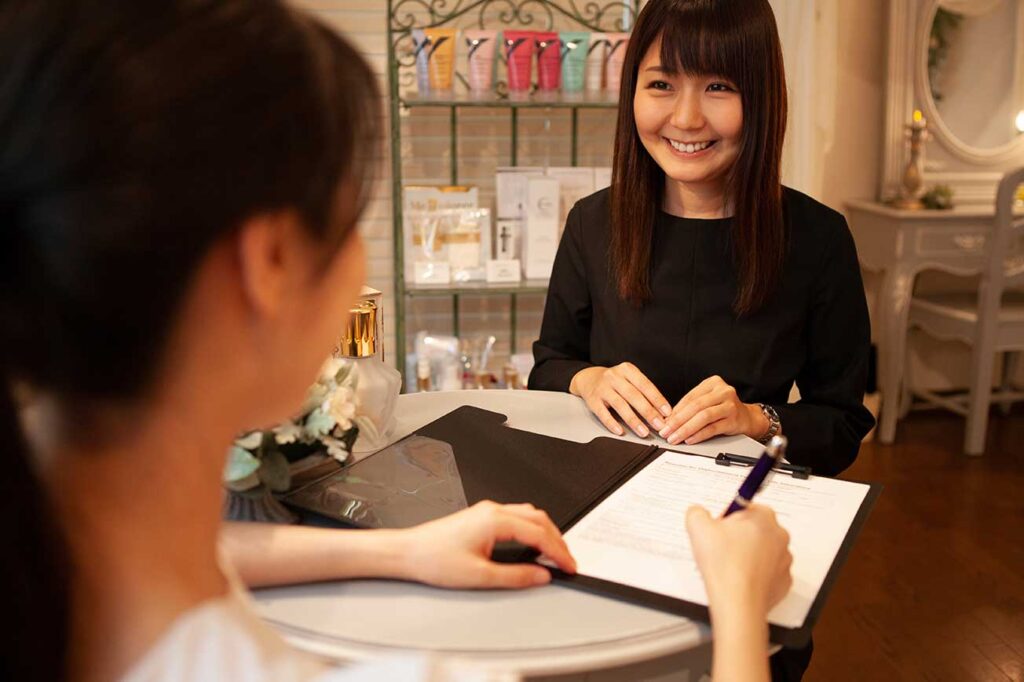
x: 268, y: 257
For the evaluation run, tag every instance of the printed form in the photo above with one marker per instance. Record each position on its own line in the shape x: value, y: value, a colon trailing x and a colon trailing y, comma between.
x: 637, y: 535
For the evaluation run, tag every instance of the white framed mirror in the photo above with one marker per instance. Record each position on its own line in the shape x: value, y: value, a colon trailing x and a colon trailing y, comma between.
x: 961, y: 62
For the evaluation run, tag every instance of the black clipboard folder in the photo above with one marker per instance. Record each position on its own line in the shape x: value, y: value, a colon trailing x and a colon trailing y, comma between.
x: 565, y: 478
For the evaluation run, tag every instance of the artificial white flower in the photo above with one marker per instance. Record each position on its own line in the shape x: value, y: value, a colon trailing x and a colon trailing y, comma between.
x: 335, y: 448
x: 288, y: 432
x: 319, y: 423
x: 250, y: 441
x: 341, y: 406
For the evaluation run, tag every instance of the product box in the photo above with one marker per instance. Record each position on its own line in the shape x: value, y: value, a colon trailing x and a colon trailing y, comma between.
x: 506, y: 238
x: 574, y: 183
x: 428, y: 220
x: 510, y: 189
x: 540, y: 228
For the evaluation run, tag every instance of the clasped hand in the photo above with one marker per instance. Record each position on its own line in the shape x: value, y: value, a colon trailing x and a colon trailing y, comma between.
x: 712, y: 408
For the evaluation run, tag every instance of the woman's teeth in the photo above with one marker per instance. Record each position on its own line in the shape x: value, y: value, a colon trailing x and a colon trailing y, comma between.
x: 689, y: 148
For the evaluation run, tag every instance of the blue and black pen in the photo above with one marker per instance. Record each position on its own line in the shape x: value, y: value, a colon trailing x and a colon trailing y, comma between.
x: 769, y: 459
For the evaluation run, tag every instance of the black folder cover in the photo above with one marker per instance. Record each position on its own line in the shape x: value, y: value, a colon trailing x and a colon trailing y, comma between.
x: 567, y: 479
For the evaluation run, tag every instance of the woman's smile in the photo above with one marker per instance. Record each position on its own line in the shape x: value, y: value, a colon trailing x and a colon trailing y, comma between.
x: 691, y: 150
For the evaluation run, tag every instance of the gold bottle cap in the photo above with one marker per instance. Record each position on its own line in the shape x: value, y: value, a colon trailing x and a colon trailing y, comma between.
x: 360, y: 337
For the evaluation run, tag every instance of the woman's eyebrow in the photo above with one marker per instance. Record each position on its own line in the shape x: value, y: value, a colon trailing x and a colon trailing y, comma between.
x: 658, y: 68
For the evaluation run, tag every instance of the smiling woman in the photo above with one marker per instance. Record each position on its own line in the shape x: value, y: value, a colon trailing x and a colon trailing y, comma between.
x: 689, y: 298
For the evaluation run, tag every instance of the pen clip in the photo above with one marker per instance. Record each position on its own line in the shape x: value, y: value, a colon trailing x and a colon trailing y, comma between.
x: 795, y: 470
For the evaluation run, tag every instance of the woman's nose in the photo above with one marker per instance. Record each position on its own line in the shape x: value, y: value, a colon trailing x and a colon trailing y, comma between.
x: 687, y: 114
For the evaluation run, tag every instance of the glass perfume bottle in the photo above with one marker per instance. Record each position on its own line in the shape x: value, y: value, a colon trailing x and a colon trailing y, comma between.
x: 377, y: 385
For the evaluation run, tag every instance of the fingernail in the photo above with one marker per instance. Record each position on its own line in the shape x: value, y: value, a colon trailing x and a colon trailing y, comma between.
x: 658, y: 424
x: 666, y: 410
x: 542, y: 577
x: 642, y: 431
x: 618, y: 431
x: 673, y: 440
x: 664, y: 432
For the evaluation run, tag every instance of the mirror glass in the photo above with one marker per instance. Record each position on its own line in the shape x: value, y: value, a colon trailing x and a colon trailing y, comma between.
x: 976, y: 70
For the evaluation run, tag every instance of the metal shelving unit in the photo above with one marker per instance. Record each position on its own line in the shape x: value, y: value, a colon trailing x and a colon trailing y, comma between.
x: 406, y: 15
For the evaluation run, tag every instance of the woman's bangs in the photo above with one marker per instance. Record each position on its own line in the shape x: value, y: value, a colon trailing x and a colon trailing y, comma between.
x: 700, y: 39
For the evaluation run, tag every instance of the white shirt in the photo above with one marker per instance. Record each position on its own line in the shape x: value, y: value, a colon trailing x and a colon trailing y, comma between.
x: 223, y: 639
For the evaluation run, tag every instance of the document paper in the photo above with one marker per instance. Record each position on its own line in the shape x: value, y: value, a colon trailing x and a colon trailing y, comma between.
x: 637, y: 535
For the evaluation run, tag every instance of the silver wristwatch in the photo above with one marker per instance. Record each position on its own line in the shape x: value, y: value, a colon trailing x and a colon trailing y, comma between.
x: 774, y: 425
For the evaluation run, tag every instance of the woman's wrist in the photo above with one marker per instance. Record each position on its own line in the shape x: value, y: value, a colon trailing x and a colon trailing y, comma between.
x: 576, y: 383
x: 758, y: 422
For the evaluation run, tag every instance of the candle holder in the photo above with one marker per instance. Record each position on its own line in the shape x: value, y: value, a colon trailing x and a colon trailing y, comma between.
x: 912, y: 183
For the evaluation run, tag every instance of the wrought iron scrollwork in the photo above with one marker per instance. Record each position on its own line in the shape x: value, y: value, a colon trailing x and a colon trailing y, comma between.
x: 614, y: 15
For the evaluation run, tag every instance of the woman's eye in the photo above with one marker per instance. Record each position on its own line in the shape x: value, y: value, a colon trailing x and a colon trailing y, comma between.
x: 721, y: 87
x: 658, y: 85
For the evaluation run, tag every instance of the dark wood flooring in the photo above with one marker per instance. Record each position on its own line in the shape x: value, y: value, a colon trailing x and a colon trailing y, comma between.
x: 934, y: 589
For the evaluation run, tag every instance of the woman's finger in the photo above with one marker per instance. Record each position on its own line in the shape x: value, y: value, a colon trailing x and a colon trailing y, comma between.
x: 707, y: 416
x: 540, y: 517
x: 647, y: 388
x: 638, y: 401
x: 714, y: 429
x: 548, y: 543
x: 513, y: 576
x: 600, y: 411
x: 626, y: 413
x: 684, y: 413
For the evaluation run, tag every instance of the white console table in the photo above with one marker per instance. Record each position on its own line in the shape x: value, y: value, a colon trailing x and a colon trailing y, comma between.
x: 900, y: 244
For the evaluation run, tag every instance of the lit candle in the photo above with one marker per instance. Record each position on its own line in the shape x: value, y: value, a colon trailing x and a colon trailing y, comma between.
x: 919, y: 120
x: 1019, y: 121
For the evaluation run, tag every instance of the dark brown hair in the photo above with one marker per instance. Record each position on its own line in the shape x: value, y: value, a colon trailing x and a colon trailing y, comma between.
x: 133, y: 137
x: 737, y: 40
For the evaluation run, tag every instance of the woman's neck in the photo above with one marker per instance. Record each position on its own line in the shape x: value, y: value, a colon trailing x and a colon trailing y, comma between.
x: 141, y: 515
x: 695, y: 200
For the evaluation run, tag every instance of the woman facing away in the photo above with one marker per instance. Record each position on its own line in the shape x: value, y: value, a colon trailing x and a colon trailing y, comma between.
x: 689, y: 298
x: 179, y: 186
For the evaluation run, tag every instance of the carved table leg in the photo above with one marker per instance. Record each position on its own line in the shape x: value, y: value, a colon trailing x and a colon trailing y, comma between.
x: 894, y: 306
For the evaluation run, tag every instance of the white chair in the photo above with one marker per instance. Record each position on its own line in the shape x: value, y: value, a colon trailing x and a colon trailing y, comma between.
x: 991, y: 322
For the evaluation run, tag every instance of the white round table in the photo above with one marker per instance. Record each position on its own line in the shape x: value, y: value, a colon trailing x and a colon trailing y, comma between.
x: 550, y: 630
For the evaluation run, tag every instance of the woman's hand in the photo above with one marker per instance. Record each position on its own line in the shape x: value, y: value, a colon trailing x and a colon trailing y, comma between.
x: 455, y: 551
x: 744, y: 559
x: 625, y: 389
x: 712, y: 408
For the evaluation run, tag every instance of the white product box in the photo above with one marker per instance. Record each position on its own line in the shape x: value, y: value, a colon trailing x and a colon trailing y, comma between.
x: 510, y: 189
x: 506, y: 238
x: 602, y: 177
x: 540, y: 233
x: 505, y: 270
x: 574, y: 183
x: 419, y: 201
x: 469, y: 243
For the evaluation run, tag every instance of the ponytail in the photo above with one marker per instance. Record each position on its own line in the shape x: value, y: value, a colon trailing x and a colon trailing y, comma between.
x: 34, y: 570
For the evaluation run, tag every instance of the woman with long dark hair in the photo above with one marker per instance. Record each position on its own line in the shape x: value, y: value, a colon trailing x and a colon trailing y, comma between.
x: 690, y: 297
x: 179, y: 186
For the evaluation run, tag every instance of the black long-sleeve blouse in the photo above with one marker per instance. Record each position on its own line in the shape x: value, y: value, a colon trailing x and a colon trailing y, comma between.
x: 813, y: 331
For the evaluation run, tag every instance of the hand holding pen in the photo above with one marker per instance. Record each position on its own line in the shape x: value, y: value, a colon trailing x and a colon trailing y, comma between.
x: 769, y: 459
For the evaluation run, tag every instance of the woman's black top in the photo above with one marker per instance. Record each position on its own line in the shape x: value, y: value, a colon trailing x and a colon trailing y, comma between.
x: 814, y: 330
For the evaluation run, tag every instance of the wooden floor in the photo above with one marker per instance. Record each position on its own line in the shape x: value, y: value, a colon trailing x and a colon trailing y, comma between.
x: 934, y: 589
